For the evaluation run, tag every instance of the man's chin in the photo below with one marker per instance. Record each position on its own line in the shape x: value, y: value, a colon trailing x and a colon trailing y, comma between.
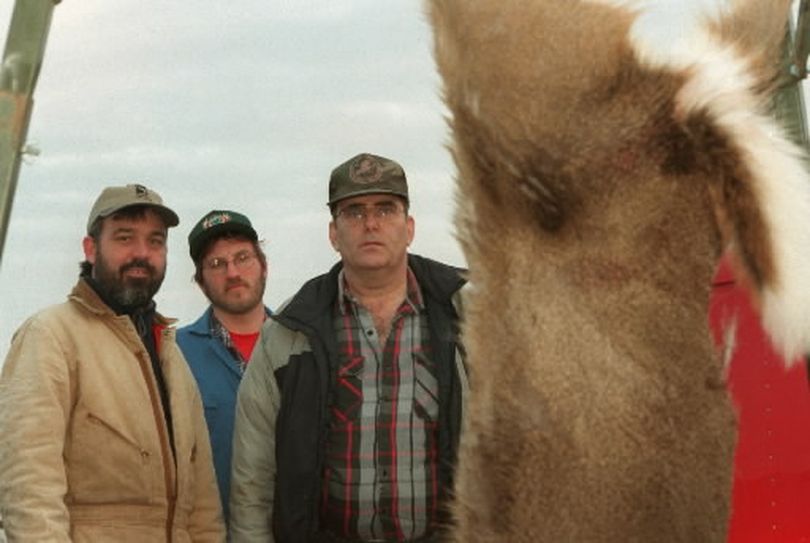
x: 372, y: 262
x: 136, y: 281
x: 237, y: 307
x: 133, y: 299
x: 136, y: 293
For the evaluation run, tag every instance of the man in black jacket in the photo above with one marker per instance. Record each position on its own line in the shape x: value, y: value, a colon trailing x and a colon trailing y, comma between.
x: 349, y: 415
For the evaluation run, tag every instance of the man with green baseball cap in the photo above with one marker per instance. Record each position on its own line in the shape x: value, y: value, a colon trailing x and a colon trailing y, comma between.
x: 231, y: 270
x: 103, y: 429
x: 348, y: 417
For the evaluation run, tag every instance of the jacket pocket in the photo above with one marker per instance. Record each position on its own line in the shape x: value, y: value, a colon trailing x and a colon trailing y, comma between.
x: 348, y: 389
x: 105, y: 463
x: 107, y: 427
x: 426, y: 388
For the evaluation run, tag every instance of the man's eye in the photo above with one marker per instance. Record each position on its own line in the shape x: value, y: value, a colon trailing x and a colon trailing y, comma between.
x: 354, y: 212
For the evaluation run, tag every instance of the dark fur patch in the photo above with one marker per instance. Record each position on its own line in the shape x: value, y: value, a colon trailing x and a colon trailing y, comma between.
x: 531, y: 179
x: 698, y: 147
x: 733, y: 190
x: 543, y: 182
x: 681, y: 155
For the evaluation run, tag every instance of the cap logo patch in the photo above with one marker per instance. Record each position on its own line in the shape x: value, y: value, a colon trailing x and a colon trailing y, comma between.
x: 141, y: 191
x: 365, y: 170
x: 213, y: 220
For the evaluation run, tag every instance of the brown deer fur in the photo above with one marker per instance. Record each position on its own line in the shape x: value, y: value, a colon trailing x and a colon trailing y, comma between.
x: 597, y: 185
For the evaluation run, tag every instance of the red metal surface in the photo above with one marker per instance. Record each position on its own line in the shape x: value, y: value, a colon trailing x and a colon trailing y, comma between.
x: 771, y: 497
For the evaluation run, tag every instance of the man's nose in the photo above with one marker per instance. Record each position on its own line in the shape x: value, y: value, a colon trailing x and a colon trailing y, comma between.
x: 231, y: 270
x: 141, y: 248
x: 370, y: 220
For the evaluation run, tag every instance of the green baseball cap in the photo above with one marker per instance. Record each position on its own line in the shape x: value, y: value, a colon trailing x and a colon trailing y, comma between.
x: 113, y: 199
x: 367, y: 174
x: 214, y: 224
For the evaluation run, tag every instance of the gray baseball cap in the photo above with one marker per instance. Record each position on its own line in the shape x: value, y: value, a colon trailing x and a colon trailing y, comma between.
x: 113, y: 199
x: 367, y: 174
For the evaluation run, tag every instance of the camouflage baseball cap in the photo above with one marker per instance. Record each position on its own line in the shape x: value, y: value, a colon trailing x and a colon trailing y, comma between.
x: 214, y: 224
x: 367, y: 174
x: 113, y: 199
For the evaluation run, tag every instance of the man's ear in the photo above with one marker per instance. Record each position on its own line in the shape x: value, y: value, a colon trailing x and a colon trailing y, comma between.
x: 333, y: 235
x: 89, y: 246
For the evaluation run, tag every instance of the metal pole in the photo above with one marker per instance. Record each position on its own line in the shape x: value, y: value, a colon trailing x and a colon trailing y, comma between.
x: 789, y: 101
x: 22, y: 60
x: 801, y: 40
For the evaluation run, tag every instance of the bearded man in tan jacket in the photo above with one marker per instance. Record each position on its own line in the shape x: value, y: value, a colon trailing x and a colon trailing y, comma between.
x: 103, y: 435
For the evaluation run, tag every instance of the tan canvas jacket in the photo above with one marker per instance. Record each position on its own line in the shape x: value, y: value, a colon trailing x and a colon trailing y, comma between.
x: 84, y: 447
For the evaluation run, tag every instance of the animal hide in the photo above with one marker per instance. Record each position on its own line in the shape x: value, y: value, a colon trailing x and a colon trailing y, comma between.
x: 598, y: 182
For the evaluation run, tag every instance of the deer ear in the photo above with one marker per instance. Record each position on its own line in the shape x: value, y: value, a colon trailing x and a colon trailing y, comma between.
x: 761, y: 196
x: 763, y: 209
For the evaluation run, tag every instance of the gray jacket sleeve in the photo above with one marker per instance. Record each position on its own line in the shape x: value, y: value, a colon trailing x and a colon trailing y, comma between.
x: 253, y: 468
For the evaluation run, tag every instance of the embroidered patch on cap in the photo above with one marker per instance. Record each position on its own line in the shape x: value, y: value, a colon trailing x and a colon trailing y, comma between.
x: 366, y: 169
x: 213, y: 220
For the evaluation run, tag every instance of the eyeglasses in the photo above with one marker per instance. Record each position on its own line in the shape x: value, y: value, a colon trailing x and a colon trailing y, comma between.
x: 241, y: 261
x: 358, y: 213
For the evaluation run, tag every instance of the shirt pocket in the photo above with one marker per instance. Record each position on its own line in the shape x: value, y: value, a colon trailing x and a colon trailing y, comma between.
x: 348, y: 389
x: 426, y: 388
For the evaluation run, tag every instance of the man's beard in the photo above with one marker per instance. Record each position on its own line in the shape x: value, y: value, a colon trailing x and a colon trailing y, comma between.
x: 128, y: 292
x: 238, y: 307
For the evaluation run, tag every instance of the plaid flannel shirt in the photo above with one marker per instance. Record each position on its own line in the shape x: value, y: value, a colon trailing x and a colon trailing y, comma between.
x: 218, y: 330
x: 380, y: 478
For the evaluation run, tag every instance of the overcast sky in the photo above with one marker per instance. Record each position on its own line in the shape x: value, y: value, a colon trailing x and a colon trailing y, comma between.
x: 242, y: 105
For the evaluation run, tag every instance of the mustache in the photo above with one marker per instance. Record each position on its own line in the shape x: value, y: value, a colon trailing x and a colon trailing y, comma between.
x: 236, y: 282
x: 138, y: 263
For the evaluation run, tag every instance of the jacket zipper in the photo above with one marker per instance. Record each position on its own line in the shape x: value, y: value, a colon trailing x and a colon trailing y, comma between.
x: 165, y: 450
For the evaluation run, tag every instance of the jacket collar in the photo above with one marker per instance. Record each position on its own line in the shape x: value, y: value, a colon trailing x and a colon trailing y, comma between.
x: 438, y: 282
x: 202, y: 326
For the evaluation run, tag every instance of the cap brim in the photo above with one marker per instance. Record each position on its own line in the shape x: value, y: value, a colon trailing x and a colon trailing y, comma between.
x: 367, y: 193
x: 218, y: 230
x: 169, y: 217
